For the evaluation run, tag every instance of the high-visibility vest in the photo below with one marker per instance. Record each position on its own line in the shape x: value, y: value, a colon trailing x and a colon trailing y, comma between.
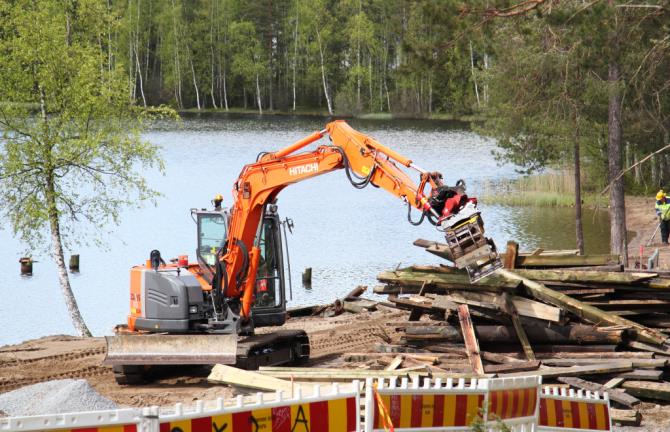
x: 663, y: 209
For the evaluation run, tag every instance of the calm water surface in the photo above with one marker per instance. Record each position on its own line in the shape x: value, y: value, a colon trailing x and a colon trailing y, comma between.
x: 347, y: 235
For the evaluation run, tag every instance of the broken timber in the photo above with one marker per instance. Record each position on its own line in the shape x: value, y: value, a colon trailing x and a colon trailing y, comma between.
x: 590, y: 313
x: 470, y: 339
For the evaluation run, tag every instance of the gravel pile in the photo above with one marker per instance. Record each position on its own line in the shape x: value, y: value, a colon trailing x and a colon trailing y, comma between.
x: 54, y: 397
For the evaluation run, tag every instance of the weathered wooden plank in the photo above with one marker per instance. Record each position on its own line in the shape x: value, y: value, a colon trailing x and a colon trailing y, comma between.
x: 609, y: 368
x: 395, y: 363
x: 613, y: 383
x: 524, y: 306
x: 537, y: 334
x: 600, y: 277
x: 625, y: 417
x: 513, y: 367
x: 648, y: 390
x: 565, y: 260
x: 642, y: 375
x: 637, y: 363
x: 223, y: 374
x: 617, y: 396
x: 470, y: 339
x: 623, y: 355
x: 590, y: 313
x: 651, y: 348
x: 407, y: 278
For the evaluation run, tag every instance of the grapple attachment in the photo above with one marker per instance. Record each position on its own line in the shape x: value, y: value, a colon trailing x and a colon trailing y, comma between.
x: 469, y: 247
x: 162, y: 349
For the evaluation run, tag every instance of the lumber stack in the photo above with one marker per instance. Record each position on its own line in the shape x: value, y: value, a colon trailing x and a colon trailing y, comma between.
x: 578, y: 320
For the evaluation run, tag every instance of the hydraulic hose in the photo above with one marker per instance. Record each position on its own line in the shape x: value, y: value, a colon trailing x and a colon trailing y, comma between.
x: 362, y: 181
x: 409, y: 216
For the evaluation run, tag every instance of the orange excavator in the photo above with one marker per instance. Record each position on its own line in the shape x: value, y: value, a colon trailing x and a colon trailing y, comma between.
x: 206, y: 312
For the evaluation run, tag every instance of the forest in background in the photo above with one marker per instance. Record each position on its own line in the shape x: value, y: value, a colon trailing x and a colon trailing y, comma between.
x: 573, y: 84
x: 537, y: 70
x: 345, y: 57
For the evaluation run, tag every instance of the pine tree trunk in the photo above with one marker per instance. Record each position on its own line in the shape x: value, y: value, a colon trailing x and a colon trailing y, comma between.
x: 579, y: 230
x: 295, y: 55
x: 472, y: 70
x: 258, y: 95
x: 618, y: 241
x: 323, y: 74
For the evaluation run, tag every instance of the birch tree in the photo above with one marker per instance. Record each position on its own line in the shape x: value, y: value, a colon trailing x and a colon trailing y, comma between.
x: 71, y: 155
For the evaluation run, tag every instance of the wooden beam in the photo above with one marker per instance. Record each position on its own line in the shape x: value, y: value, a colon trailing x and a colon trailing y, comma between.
x: 601, y: 277
x: 609, y: 368
x: 617, y: 396
x: 510, y: 308
x: 223, y: 374
x: 643, y: 375
x: 565, y: 260
x: 395, y: 363
x: 613, y: 383
x: 511, y: 255
x: 590, y: 313
x: 625, y: 417
x: 513, y: 367
x: 648, y: 390
x: 523, y: 306
x: 470, y: 339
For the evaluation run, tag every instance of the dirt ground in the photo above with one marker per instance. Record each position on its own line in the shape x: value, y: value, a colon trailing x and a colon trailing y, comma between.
x: 59, y: 357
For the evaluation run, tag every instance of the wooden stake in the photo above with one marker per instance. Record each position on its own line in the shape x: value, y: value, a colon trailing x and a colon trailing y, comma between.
x: 520, y: 332
x: 511, y: 254
x: 471, y: 344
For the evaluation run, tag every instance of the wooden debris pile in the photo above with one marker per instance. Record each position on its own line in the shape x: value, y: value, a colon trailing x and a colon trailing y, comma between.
x: 578, y: 320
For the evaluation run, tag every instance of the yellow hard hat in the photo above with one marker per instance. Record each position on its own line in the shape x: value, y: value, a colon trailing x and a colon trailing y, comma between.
x: 660, y: 195
x: 218, y: 197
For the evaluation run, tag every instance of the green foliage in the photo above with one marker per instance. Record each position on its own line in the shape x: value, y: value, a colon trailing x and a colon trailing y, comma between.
x: 70, y: 149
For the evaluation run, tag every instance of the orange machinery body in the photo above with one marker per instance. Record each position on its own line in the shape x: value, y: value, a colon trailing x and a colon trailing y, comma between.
x: 259, y: 183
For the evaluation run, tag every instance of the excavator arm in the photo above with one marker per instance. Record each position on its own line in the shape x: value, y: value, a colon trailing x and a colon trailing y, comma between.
x: 364, y: 160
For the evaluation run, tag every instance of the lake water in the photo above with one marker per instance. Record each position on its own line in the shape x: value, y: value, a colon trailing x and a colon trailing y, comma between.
x: 346, y: 235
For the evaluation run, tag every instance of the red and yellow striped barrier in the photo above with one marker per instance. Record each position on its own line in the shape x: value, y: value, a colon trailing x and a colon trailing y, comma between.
x: 410, y: 407
x: 574, y: 411
x: 336, y: 415
x: 508, y: 404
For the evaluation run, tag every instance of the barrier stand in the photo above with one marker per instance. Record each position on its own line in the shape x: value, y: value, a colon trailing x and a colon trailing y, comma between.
x: 334, y: 410
x: 514, y: 402
x: 121, y: 420
x: 562, y: 410
x: 452, y: 405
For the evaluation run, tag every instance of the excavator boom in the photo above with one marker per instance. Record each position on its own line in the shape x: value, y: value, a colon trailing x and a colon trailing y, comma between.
x: 219, y: 293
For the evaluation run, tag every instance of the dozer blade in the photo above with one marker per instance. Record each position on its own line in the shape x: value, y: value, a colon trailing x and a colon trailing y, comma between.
x: 171, y: 349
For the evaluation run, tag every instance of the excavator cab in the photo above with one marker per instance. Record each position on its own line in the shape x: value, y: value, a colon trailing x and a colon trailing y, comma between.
x: 269, y: 308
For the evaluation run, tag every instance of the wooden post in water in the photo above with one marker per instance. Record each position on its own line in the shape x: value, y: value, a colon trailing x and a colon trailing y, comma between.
x: 26, y: 266
x: 74, y: 263
x: 307, y: 276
